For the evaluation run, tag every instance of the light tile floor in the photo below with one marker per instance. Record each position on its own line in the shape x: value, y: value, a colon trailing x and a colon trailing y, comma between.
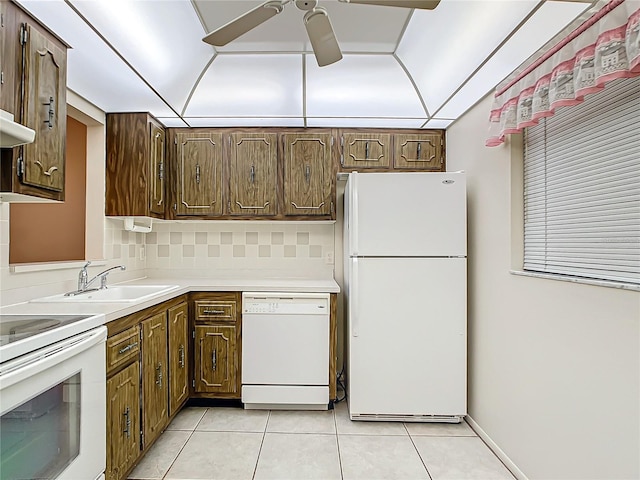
x: 232, y: 443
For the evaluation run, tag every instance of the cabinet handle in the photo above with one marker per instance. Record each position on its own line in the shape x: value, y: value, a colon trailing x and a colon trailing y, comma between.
x: 127, y: 423
x: 253, y: 208
x: 308, y: 208
x: 159, y: 375
x: 51, y: 113
x: 419, y: 149
x: 366, y: 150
x: 181, y: 356
x: 307, y: 173
x: 214, y: 362
x: 127, y: 348
x: 212, y: 312
x: 45, y: 172
x: 197, y: 173
x: 252, y: 174
x: 160, y: 171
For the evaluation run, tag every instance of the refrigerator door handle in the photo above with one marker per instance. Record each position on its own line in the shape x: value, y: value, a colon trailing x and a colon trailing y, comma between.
x: 354, y: 214
x: 355, y: 318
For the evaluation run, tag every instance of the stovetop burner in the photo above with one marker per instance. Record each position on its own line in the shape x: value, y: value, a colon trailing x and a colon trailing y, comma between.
x: 22, y: 333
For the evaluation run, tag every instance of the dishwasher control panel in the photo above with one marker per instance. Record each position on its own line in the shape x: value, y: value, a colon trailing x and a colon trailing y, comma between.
x: 285, y: 304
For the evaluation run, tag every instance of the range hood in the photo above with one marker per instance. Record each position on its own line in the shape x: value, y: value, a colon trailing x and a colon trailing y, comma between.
x: 13, y: 134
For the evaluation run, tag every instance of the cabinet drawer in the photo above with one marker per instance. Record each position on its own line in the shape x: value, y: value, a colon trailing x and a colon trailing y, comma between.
x: 217, y: 311
x: 123, y: 347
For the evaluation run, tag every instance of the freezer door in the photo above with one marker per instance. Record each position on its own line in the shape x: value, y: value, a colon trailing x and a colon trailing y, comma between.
x: 407, y: 336
x: 406, y: 214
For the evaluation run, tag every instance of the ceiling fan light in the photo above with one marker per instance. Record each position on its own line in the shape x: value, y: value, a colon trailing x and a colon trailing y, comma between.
x: 244, y: 23
x: 323, y: 39
x: 421, y: 4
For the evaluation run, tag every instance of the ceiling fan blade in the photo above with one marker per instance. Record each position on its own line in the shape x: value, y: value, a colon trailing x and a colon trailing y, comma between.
x: 422, y: 4
x: 244, y: 23
x: 323, y: 39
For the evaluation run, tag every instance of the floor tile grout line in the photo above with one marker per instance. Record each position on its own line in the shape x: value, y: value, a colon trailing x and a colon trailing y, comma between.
x: 185, y: 443
x: 179, y: 452
x: 424, y: 464
x: 335, y: 424
x: 264, y: 434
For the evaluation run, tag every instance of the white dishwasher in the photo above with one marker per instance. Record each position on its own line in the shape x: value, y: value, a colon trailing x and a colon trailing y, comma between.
x: 285, y: 350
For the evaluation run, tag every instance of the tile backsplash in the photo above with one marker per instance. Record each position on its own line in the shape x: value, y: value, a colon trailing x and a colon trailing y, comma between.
x: 241, y: 248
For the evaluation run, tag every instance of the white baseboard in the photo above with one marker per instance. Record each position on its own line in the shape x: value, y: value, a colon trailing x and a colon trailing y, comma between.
x: 496, y: 449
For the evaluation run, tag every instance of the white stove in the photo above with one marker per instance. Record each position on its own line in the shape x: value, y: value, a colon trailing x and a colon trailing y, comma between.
x: 52, y: 396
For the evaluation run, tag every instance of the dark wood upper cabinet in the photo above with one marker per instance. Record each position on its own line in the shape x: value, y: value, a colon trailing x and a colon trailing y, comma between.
x: 157, y: 166
x: 34, y: 89
x: 366, y: 150
x: 198, y: 183
x: 419, y: 151
x: 308, y: 174
x: 253, y: 174
x: 135, y: 173
x: 9, y: 41
x: 44, y: 110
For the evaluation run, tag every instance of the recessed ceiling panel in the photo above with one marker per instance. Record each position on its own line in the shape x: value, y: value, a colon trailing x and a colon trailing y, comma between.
x: 94, y: 71
x: 366, y: 122
x: 154, y: 37
x: 358, y: 28
x: 361, y: 86
x: 442, y: 47
x: 244, y: 122
x: 249, y: 86
x: 550, y: 19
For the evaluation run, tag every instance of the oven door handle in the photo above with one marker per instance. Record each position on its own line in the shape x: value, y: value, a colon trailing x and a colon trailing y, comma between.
x: 17, y: 370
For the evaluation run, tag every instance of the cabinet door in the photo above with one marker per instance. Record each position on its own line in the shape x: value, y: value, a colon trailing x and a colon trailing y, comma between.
x: 154, y: 376
x: 307, y: 174
x: 8, y: 57
x: 366, y: 150
x: 216, y: 359
x: 253, y: 173
x: 422, y: 151
x: 44, y: 110
x: 178, y: 343
x: 156, y: 164
x: 199, y: 189
x: 123, y: 421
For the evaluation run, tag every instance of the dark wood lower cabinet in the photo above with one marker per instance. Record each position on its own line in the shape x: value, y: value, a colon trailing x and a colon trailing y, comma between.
x: 155, y: 391
x: 147, y: 380
x: 123, y: 421
x: 178, y: 356
x: 216, y: 359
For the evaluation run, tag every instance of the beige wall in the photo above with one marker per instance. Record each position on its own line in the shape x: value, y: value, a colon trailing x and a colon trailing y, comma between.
x: 55, y: 232
x: 554, y: 376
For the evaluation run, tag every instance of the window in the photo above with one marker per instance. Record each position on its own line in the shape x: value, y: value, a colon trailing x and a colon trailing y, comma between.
x: 582, y: 188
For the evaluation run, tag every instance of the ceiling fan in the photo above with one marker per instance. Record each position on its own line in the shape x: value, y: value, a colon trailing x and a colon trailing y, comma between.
x: 316, y: 21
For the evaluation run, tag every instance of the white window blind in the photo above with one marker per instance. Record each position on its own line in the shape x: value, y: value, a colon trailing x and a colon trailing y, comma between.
x: 582, y: 188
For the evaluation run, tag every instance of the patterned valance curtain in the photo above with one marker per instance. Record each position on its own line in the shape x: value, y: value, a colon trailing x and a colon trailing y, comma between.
x: 603, y: 48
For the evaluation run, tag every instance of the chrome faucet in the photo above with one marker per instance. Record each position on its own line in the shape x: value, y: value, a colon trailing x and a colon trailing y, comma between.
x: 84, y: 282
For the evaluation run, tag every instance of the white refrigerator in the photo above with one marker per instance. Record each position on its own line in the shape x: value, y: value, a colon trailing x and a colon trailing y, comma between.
x: 405, y: 242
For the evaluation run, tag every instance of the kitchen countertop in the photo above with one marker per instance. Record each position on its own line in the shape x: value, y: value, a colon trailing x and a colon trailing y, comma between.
x: 114, y: 310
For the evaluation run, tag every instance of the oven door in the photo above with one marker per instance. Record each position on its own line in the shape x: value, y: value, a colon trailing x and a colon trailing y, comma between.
x: 52, y: 411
